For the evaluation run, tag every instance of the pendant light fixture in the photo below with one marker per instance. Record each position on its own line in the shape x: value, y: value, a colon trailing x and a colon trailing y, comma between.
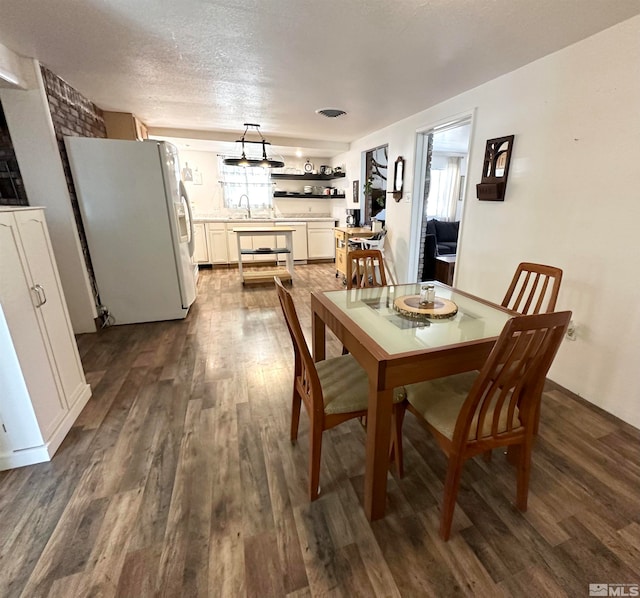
x: 263, y: 162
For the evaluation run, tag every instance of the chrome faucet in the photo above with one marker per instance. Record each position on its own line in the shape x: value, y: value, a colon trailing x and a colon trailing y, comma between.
x: 248, y: 204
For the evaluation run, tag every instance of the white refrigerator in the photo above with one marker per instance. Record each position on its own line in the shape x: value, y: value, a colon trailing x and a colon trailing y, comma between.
x: 139, y: 227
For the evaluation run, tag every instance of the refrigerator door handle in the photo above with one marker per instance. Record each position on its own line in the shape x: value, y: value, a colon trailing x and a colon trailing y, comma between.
x: 185, y: 199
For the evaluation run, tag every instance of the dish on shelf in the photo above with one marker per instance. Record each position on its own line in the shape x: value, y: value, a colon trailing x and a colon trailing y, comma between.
x: 292, y: 195
x: 307, y: 176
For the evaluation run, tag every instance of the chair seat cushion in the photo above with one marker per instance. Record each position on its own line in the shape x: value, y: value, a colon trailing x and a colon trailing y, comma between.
x: 447, y: 248
x: 439, y: 402
x: 345, y: 386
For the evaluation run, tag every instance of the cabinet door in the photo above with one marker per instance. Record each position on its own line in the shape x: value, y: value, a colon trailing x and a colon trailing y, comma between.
x: 20, y: 429
x: 232, y: 243
x: 18, y: 299
x: 260, y: 241
x: 53, y: 312
x: 201, y: 252
x: 249, y: 242
x: 300, y: 251
x: 341, y: 260
x: 217, y: 236
x: 321, y: 243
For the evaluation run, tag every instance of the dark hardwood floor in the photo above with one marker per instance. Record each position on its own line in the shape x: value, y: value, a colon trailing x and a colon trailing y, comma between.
x: 178, y: 479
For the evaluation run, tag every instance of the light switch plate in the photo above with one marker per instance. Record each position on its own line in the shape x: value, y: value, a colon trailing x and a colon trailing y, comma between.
x: 407, y: 197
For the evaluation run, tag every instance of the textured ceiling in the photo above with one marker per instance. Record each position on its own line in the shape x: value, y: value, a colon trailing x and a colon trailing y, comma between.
x: 214, y: 64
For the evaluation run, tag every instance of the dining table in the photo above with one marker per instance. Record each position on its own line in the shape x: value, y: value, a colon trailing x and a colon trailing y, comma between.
x: 396, y: 350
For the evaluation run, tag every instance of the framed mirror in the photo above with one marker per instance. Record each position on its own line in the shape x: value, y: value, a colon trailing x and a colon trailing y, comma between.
x: 398, y: 178
x: 376, y: 183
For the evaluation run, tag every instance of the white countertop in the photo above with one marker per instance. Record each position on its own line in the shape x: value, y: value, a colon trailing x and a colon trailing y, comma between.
x: 288, y: 218
x: 248, y: 230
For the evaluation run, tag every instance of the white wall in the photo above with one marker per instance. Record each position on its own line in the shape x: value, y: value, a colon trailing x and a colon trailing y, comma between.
x: 36, y: 148
x: 572, y: 200
x: 206, y: 199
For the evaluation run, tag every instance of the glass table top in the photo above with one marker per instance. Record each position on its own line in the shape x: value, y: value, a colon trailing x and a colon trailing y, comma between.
x: 372, y: 310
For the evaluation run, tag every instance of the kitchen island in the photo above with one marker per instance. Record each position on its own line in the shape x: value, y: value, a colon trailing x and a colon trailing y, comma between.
x: 266, y: 274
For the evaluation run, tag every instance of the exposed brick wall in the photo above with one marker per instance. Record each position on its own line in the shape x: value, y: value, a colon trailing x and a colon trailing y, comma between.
x: 72, y: 114
x: 12, y: 191
x: 423, y: 228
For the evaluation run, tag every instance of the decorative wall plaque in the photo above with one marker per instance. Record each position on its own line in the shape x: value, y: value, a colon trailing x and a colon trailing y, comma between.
x: 495, y: 170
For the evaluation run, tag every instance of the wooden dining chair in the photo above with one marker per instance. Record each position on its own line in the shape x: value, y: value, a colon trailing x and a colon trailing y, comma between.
x: 534, y: 289
x: 333, y: 391
x: 473, y: 412
x: 365, y: 268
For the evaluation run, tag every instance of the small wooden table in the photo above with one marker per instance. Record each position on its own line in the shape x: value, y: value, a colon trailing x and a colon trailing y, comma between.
x: 342, y: 235
x: 445, y: 267
x: 395, y: 351
x: 266, y: 274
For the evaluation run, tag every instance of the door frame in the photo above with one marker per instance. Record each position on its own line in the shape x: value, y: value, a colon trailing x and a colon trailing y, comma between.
x: 418, y: 204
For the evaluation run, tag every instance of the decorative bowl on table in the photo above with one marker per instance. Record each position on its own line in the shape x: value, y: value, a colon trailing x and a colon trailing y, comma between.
x: 410, y: 306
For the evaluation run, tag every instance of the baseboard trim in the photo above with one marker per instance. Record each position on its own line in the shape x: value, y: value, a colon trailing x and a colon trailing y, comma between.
x: 45, y: 452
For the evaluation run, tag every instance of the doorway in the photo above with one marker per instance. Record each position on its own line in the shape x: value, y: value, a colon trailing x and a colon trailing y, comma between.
x: 443, y: 154
x: 375, y: 183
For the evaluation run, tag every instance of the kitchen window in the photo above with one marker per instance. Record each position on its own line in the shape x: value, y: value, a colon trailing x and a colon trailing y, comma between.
x: 253, y: 182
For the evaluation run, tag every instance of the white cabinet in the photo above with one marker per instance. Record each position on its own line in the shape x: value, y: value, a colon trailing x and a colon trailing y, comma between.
x: 249, y: 242
x: 299, y: 239
x: 320, y: 240
x: 43, y: 384
x: 232, y: 243
x: 262, y: 242
x: 217, y: 238
x: 311, y: 240
x: 211, y: 243
x: 201, y: 250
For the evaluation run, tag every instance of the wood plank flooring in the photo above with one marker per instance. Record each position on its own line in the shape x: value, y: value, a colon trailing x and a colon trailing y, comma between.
x: 178, y: 479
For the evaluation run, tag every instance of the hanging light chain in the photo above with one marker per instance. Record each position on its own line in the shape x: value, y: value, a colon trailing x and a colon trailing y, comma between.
x: 265, y: 162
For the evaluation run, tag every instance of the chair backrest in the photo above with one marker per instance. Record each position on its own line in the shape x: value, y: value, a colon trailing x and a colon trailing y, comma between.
x: 376, y: 241
x: 306, y: 375
x: 504, y: 398
x: 365, y: 268
x: 532, y: 284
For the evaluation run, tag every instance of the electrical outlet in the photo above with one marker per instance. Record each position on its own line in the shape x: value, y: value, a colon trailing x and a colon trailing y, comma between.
x: 572, y: 331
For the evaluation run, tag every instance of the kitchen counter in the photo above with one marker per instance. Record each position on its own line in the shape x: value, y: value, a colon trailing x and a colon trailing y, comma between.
x: 288, y: 218
x: 216, y: 237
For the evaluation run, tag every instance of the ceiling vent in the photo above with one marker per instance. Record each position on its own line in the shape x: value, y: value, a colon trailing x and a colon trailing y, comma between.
x: 331, y: 112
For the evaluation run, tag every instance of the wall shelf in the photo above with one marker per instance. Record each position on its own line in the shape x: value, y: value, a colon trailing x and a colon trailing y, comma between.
x: 308, y: 176
x: 307, y: 195
x: 263, y: 250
